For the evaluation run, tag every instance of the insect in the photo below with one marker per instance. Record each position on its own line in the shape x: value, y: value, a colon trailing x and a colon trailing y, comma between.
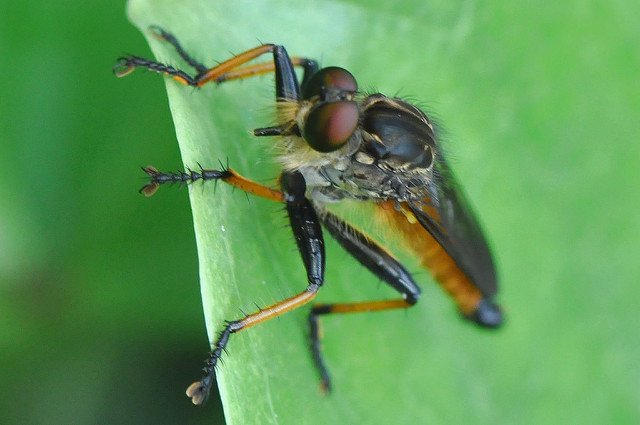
x: 336, y: 143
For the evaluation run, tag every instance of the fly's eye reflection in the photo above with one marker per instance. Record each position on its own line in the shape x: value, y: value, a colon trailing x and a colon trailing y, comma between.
x: 394, y: 162
x: 330, y: 125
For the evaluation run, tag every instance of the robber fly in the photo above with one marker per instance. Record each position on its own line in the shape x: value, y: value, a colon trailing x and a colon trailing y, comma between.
x: 336, y: 143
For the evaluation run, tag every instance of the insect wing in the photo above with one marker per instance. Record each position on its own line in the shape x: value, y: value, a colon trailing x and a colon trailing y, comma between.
x: 448, y: 217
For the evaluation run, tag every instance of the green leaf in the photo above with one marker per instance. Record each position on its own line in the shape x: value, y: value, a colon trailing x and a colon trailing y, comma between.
x: 524, y: 92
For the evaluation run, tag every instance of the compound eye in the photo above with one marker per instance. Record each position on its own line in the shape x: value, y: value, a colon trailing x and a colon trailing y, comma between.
x: 330, y: 125
x: 329, y: 79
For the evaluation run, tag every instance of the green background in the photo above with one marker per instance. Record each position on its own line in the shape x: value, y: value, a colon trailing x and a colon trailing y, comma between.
x: 101, y: 319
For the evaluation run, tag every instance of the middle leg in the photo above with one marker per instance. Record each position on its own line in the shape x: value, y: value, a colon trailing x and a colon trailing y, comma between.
x: 379, y: 262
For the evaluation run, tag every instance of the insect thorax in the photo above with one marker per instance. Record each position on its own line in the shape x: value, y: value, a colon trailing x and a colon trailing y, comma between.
x: 349, y: 178
x: 389, y: 156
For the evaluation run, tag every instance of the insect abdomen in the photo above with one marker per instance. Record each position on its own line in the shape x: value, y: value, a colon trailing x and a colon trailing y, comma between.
x: 434, y: 258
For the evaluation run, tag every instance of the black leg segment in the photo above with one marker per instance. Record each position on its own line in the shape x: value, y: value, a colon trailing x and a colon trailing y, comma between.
x: 372, y: 256
x: 287, y: 86
x: 171, y: 39
x: 308, y: 234
x: 278, y: 130
x: 310, y: 67
x: 305, y: 225
x: 379, y: 262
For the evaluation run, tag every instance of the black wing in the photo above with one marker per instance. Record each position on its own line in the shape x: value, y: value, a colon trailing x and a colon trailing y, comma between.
x: 457, y: 230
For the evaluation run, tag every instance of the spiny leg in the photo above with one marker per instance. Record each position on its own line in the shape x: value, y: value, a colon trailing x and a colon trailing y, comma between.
x: 286, y: 81
x: 171, y: 39
x: 227, y: 175
x: 379, y: 262
x: 308, y: 235
x: 127, y: 64
x: 199, y: 390
x: 310, y: 66
x: 315, y: 333
x: 287, y: 87
x: 303, y: 219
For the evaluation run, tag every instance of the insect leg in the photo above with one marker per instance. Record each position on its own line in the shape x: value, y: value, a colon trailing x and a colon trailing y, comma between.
x: 199, y: 390
x: 379, y: 262
x: 227, y: 175
x: 310, y: 66
x: 287, y: 87
x: 171, y: 39
x: 127, y: 64
x: 286, y: 129
x: 308, y: 234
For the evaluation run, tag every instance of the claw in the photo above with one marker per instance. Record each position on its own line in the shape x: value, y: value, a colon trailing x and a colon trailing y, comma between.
x: 199, y: 391
x: 123, y: 68
x: 150, y: 188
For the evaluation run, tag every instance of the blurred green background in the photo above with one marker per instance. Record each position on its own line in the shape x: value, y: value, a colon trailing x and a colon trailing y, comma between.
x: 100, y: 310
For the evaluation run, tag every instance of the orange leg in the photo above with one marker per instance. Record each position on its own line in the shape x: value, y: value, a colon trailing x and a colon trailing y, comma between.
x: 308, y: 235
x: 228, y: 65
x: 127, y: 64
x: 302, y: 216
x: 227, y: 70
x: 227, y: 175
x: 259, y: 69
x: 379, y: 262
x: 199, y: 390
x: 321, y: 309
